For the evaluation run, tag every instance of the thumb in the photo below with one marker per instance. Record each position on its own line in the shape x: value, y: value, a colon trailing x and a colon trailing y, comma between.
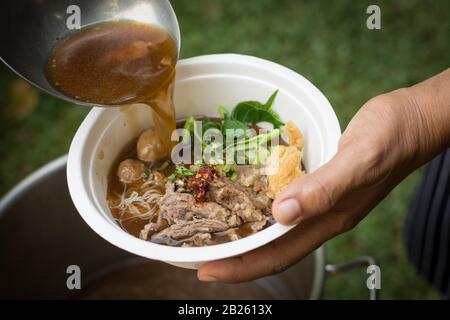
x: 318, y: 192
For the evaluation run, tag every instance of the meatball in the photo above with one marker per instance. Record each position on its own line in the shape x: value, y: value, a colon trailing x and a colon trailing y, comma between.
x: 150, y: 148
x: 130, y: 170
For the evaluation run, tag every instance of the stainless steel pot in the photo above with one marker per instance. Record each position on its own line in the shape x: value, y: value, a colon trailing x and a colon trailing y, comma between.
x: 41, y: 235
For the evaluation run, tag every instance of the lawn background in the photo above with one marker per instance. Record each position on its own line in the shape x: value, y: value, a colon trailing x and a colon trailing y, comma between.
x: 328, y: 43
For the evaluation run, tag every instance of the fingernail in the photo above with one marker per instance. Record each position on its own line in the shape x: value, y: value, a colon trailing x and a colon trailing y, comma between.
x: 207, y: 278
x: 289, y: 211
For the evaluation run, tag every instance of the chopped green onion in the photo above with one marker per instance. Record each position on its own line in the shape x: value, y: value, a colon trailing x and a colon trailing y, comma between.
x: 147, y: 173
x: 183, y: 171
x: 163, y: 166
x: 227, y: 168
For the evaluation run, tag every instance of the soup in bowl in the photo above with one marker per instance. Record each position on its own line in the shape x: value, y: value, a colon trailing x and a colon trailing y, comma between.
x: 106, y: 150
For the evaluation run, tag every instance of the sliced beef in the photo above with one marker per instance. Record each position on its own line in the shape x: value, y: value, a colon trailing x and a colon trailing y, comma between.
x: 252, y: 227
x: 259, y: 199
x: 232, y: 234
x: 247, y: 174
x: 252, y: 177
x: 176, y: 206
x: 231, y: 209
x: 197, y: 240
x: 186, y: 229
x: 234, y: 220
x: 212, y: 210
x: 151, y: 228
x: 258, y: 225
x: 253, y: 183
x: 148, y: 230
x: 229, y: 195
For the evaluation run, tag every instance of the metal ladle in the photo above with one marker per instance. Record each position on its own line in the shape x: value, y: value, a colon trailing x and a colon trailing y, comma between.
x: 29, y: 30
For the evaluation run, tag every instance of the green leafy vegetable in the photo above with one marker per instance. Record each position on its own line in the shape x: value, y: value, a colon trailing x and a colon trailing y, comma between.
x: 208, y: 124
x: 240, y: 118
x: 234, y: 124
x: 181, y: 172
x: 230, y: 123
x: 255, y: 152
x: 223, y: 112
x: 189, y: 126
x: 249, y: 112
x: 269, y: 103
x: 213, y: 145
x: 254, y: 142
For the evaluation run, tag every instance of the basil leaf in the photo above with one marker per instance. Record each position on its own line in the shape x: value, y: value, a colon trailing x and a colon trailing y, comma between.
x: 246, y: 110
x: 269, y: 103
x: 209, y: 124
x: 251, y: 112
x: 233, y: 124
x: 223, y: 112
x: 254, y: 112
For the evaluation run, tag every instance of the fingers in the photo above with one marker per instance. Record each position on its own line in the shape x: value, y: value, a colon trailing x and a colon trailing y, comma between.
x: 271, y: 258
x: 318, y: 192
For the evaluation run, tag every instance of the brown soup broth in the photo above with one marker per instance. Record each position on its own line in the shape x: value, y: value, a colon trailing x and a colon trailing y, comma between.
x: 135, y: 225
x: 115, y: 188
x: 119, y: 63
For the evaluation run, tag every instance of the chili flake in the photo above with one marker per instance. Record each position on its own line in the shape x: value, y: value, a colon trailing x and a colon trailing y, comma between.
x: 199, y: 183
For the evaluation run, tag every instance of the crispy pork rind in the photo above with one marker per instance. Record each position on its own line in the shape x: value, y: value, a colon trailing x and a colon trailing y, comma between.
x: 294, y: 134
x: 284, y: 164
x: 283, y: 167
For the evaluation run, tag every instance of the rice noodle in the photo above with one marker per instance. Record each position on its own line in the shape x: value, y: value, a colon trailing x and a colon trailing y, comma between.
x: 138, y: 202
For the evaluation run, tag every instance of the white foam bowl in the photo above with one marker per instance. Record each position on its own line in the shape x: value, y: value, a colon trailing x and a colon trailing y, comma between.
x: 202, y: 84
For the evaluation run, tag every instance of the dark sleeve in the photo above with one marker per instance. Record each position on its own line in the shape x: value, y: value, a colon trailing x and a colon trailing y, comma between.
x: 427, y: 227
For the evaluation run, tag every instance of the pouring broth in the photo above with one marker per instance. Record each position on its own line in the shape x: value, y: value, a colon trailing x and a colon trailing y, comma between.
x: 120, y: 63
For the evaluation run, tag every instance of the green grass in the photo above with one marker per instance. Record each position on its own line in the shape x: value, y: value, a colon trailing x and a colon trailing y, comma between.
x: 325, y: 41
